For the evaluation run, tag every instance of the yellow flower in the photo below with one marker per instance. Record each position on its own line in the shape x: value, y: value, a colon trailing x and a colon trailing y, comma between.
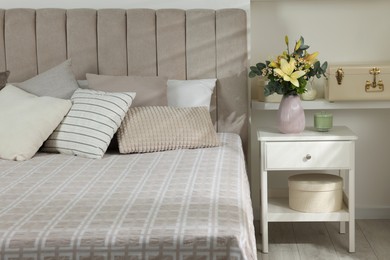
x: 273, y: 64
x: 311, y: 58
x: 287, y: 71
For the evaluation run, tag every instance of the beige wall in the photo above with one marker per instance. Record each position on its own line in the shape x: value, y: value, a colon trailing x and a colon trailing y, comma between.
x: 343, y: 31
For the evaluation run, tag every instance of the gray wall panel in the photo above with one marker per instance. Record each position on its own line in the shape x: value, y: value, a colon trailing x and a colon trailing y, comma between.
x: 200, y: 44
x: 171, y: 52
x: 51, y: 38
x: 2, y: 48
x: 112, y: 51
x: 232, y: 75
x: 141, y: 42
x: 82, y: 41
x: 200, y: 49
x: 20, y: 44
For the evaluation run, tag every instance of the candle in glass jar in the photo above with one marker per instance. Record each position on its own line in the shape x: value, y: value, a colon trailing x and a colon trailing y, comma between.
x: 323, y: 121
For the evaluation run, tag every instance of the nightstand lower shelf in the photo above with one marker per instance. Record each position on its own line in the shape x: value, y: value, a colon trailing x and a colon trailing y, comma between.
x: 279, y: 211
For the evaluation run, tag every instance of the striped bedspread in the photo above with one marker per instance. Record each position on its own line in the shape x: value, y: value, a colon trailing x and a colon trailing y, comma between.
x: 182, y: 204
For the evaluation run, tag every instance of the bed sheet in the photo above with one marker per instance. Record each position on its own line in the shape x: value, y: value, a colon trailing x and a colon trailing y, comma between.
x: 182, y: 204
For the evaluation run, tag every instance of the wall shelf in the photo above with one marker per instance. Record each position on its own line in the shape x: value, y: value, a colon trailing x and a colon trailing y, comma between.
x: 322, y: 104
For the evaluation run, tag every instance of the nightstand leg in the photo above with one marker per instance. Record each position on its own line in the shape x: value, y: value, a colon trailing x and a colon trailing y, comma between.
x: 352, y: 236
x: 264, y: 211
x: 351, y: 207
x: 342, y: 174
x: 342, y: 227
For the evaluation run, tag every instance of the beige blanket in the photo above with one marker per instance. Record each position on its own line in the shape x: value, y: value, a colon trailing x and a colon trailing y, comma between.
x: 182, y: 204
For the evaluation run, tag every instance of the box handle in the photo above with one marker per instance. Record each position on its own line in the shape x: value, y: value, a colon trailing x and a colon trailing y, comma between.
x: 372, y: 86
x: 339, y: 75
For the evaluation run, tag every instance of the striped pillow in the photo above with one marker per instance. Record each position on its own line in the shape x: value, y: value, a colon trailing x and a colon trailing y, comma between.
x: 90, y: 124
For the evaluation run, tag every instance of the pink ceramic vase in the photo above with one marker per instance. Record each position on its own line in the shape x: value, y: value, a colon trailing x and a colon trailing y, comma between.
x: 291, y: 115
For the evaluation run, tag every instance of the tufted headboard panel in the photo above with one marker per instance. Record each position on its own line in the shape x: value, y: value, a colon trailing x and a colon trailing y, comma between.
x: 180, y: 44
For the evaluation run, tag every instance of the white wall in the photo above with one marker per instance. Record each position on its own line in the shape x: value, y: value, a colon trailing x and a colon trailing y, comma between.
x: 346, y: 32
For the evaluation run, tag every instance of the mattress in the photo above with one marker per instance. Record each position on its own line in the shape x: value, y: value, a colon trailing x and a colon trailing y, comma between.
x: 182, y: 204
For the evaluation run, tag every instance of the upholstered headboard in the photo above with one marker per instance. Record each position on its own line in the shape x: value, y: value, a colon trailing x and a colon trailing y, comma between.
x: 180, y: 44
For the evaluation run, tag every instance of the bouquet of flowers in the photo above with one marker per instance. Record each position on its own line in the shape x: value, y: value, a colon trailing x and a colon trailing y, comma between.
x: 288, y: 73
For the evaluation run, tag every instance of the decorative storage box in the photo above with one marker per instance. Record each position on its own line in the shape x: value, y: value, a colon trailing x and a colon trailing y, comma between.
x: 315, y: 192
x: 358, y: 83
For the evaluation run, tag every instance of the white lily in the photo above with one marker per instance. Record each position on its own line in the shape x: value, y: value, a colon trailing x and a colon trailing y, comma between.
x: 287, y: 71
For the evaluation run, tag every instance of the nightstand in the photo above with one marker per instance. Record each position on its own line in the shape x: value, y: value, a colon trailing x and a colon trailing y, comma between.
x: 307, y: 151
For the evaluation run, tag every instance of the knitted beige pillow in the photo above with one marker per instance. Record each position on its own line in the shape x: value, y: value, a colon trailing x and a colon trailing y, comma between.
x: 160, y: 128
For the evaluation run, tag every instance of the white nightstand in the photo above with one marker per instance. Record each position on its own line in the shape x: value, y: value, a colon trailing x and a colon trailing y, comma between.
x: 310, y: 150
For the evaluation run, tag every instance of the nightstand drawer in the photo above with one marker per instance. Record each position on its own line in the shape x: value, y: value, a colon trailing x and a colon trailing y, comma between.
x: 310, y: 155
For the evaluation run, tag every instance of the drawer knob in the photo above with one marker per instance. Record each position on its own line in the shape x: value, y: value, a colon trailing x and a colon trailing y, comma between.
x: 308, y: 156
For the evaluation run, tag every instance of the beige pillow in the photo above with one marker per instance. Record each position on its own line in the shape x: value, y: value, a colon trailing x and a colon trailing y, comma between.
x: 151, y: 91
x: 26, y: 121
x: 159, y: 128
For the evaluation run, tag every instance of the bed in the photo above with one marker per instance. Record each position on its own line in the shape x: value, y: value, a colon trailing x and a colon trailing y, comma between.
x: 173, y: 204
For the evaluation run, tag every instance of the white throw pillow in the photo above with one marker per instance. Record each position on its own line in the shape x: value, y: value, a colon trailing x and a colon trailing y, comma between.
x: 190, y: 93
x: 90, y: 124
x: 26, y: 121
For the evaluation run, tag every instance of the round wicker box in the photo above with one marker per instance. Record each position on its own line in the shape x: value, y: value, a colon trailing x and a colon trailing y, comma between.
x: 315, y: 192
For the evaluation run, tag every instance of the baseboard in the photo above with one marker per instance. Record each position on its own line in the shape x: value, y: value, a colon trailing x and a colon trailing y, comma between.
x: 372, y: 213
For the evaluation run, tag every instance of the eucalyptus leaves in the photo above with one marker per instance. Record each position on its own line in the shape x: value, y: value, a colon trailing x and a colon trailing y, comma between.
x: 289, y: 72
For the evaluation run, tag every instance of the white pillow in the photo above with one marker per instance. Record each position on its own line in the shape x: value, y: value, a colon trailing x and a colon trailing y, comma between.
x: 90, y: 124
x: 26, y: 121
x: 190, y: 93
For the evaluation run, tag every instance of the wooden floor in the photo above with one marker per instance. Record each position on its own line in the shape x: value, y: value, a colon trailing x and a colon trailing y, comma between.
x: 310, y: 241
